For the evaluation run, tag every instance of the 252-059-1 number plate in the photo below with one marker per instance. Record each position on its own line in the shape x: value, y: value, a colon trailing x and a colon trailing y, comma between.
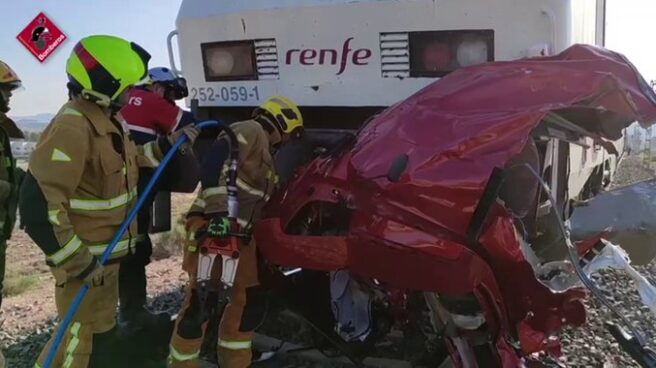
x: 225, y: 94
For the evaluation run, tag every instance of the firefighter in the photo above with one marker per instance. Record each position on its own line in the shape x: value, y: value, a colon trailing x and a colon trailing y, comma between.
x: 10, y: 175
x: 80, y: 187
x: 150, y: 112
x: 274, y: 123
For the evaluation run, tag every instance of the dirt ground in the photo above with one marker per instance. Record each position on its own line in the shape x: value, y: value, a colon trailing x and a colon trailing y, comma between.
x: 31, y: 312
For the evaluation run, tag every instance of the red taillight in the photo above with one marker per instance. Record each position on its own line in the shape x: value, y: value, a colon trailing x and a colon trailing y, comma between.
x: 437, y: 53
x: 437, y: 56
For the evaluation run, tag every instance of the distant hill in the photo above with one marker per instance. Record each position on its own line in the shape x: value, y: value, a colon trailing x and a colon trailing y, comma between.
x: 34, y: 123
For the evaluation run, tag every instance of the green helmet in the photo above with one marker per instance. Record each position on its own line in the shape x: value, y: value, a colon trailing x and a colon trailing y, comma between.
x: 102, y: 67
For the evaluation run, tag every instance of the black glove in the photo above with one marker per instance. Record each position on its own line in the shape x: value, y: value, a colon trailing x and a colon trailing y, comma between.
x: 191, y: 131
x: 93, y: 275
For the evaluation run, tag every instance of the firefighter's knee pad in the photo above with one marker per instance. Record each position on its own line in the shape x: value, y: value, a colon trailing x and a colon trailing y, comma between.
x: 257, y: 303
x: 191, y: 323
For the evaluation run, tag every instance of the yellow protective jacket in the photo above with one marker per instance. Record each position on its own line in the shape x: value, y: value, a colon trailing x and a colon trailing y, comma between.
x: 80, y: 186
x: 256, y: 177
x: 10, y: 176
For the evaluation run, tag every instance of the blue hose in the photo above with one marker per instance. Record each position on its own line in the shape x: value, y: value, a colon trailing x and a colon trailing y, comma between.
x: 119, y: 235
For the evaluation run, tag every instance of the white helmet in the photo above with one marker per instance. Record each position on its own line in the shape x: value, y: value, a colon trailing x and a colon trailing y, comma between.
x: 165, y: 76
x: 161, y: 75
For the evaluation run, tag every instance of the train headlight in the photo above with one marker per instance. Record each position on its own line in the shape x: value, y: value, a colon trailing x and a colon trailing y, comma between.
x: 229, y: 61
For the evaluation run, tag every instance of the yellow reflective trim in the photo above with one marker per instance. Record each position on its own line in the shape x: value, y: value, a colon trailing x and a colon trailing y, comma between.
x: 66, y: 251
x: 241, y: 139
x: 250, y: 190
x: 103, y: 204
x: 235, y: 345
x: 69, y: 111
x: 72, y: 345
x: 53, y: 217
x: 272, y: 177
x: 182, y: 357
x: 199, y: 202
x: 214, y: 191
x: 124, y: 170
x: 240, y: 185
x: 59, y: 155
x: 68, y: 362
x: 122, y: 246
x: 150, y: 154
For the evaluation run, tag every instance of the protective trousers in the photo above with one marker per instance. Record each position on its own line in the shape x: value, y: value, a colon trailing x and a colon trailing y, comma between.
x: 240, y: 317
x: 132, y: 277
x: 84, y: 342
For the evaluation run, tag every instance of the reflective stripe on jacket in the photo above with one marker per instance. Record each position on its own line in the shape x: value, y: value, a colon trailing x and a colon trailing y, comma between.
x: 82, y: 183
x: 256, y: 177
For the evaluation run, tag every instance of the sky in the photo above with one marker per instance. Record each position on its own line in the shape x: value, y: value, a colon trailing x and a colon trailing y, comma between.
x: 148, y: 22
x: 629, y: 28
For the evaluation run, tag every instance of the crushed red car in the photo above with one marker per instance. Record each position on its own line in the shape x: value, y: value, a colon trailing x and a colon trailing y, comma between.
x: 415, y: 201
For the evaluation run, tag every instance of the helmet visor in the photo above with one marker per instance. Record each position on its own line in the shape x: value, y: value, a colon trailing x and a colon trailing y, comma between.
x: 14, y: 86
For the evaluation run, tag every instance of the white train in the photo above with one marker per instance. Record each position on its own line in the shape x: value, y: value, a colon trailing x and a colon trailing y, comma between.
x: 344, y: 60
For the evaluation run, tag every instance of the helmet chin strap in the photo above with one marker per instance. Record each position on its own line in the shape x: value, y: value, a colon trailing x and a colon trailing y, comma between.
x: 4, y: 102
x: 115, y: 107
x: 267, y: 124
x: 270, y: 127
x: 97, y: 98
x: 102, y: 100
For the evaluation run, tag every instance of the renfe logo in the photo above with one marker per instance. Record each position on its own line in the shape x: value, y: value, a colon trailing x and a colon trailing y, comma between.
x: 329, y: 56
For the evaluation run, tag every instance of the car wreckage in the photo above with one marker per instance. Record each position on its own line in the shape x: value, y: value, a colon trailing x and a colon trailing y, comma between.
x: 446, y: 215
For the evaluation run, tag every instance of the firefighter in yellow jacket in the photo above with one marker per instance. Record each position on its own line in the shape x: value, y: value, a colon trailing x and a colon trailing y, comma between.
x: 80, y: 187
x: 10, y: 175
x: 273, y: 124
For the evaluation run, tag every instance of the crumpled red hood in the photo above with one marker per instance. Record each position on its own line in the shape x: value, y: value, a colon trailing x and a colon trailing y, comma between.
x: 457, y: 130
